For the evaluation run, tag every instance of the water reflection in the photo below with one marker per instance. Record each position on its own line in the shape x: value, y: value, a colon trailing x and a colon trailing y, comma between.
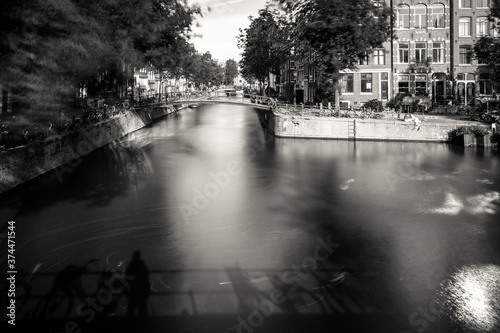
x: 408, y: 216
x: 472, y: 298
x: 129, y: 159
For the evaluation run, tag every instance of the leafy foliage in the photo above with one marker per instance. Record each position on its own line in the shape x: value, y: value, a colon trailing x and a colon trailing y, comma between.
x: 265, y: 45
x: 487, y: 51
x: 395, y: 101
x: 487, y: 48
x: 49, y: 47
x: 374, y: 104
x: 230, y: 71
x: 480, y: 130
x: 203, y: 69
x: 324, y: 93
x: 337, y: 33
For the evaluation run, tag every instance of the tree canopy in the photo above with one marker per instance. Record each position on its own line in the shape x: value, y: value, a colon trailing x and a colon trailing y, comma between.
x: 487, y: 48
x: 230, y: 71
x: 265, y: 45
x: 48, y: 47
x: 337, y: 33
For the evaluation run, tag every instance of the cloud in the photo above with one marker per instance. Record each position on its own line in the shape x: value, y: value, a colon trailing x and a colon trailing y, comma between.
x: 221, y: 25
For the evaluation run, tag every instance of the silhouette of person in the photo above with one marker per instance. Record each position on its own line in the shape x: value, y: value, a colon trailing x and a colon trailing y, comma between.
x: 139, y: 287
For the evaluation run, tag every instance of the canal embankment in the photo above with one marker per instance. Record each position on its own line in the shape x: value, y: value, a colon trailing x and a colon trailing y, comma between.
x: 430, y: 129
x: 20, y: 164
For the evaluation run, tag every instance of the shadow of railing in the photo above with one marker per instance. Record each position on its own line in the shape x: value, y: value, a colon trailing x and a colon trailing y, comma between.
x: 77, y: 293
x: 318, y: 298
x: 276, y: 323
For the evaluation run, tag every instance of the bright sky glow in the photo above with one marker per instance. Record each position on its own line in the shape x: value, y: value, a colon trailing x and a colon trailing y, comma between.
x: 219, y: 28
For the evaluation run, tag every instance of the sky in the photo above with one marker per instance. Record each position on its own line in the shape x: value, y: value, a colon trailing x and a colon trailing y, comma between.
x: 220, y: 27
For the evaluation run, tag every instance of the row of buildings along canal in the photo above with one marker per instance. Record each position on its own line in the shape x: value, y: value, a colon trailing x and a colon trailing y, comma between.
x: 430, y: 56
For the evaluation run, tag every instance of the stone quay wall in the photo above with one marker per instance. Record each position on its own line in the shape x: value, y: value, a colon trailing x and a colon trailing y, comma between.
x: 389, y: 129
x: 29, y: 161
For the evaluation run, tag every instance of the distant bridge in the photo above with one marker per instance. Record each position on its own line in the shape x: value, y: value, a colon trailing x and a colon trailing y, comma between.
x: 260, y: 102
x: 228, y: 101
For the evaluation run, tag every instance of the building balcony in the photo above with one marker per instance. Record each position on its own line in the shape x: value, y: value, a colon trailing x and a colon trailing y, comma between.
x: 420, y: 30
x: 418, y: 63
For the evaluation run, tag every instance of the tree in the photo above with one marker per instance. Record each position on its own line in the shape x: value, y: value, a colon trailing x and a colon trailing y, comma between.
x: 230, y: 71
x: 265, y: 45
x: 487, y: 48
x: 205, y: 70
x: 337, y: 33
x: 46, y: 47
x: 168, y: 48
x: 49, y: 47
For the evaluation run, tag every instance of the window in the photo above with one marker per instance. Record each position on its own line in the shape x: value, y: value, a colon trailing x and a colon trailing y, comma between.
x: 438, y: 53
x: 482, y: 4
x: 404, y: 84
x: 420, y: 85
x: 485, y: 84
x: 363, y: 59
x: 438, y: 16
x: 465, y: 3
x: 404, y: 17
x: 482, y: 26
x: 465, y: 54
x: 348, y: 83
x: 366, y: 83
x: 420, y: 52
x: 403, y: 53
x: 464, y: 26
x: 420, y: 17
x: 311, y: 74
x: 384, y: 86
x: 378, y: 57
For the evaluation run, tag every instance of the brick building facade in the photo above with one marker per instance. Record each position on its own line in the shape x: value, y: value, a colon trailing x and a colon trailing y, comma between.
x: 472, y: 79
x: 429, y: 56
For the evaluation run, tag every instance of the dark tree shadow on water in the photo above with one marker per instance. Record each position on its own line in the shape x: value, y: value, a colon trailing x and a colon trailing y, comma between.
x: 110, y: 172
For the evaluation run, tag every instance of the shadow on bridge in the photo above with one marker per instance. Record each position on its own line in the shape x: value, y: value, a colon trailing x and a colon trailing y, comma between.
x: 276, y: 323
x: 231, y: 300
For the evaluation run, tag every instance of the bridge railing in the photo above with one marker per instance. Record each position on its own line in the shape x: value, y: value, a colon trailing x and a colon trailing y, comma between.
x: 169, y: 97
x: 318, y: 110
x: 321, y: 111
x: 147, y: 99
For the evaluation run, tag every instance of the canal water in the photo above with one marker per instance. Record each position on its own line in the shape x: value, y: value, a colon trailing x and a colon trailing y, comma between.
x: 234, y: 223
